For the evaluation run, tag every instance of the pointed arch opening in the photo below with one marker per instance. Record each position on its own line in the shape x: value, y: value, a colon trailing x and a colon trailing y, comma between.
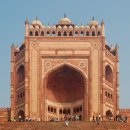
x: 108, y: 74
x: 20, y: 74
x: 109, y: 114
x: 65, y: 91
x: 21, y: 115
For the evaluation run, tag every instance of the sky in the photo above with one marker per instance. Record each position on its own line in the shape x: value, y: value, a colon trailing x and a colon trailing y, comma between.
x: 116, y: 14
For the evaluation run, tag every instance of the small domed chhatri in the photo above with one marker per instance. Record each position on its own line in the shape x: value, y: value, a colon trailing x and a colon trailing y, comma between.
x: 93, y: 22
x: 53, y: 27
x: 65, y: 20
x: 36, y: 22
x: 65, y: 24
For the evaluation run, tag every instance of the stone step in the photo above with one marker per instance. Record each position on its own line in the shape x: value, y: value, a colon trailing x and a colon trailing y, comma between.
x: 76, y: 125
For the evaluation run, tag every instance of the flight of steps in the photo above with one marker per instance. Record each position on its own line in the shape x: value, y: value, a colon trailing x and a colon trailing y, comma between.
x: 76, y: 125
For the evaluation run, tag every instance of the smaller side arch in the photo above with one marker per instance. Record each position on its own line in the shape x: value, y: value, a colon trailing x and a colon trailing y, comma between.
x: 20, y: 115
x: 108, y: 74
x: 20, y: 74
x: 109, y: 114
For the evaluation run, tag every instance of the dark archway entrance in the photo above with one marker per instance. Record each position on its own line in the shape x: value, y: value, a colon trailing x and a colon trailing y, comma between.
x: 65, y: 93
x: 109, y: 114
x: 21, y: 115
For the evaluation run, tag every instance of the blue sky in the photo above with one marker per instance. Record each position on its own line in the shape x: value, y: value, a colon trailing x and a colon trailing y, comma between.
x: 116, y: 14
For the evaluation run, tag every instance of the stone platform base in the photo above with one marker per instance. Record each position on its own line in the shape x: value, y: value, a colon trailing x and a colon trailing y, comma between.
x: 76, y: 125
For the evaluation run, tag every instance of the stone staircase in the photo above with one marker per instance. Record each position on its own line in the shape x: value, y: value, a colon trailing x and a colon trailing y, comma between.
x: 76, y: 125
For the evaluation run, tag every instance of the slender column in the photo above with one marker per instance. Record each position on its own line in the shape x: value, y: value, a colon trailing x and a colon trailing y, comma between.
x: 103, y: 79
x: 103, y: 28
x: 12, y: 84
x: 26, y: 79
x: 117, y: 80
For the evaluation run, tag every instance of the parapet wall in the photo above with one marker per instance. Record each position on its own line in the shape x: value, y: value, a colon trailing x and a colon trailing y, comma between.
x: 4, y: 114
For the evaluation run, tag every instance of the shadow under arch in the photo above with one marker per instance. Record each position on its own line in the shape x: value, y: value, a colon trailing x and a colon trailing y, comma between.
x: 21, y: 115
x: 65, y: 83
x: 109, y: 114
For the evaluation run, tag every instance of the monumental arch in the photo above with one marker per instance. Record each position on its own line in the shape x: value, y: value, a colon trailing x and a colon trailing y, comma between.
x: 64, y: 69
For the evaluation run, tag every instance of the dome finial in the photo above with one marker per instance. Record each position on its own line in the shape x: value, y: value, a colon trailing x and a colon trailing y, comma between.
x: 93, y: 18
x: 64, y: 15
x: 36, y: 18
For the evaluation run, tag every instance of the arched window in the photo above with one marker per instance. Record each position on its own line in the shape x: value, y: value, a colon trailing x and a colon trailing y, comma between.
x: 21, y: 95
x: 20, y: 74
x: 60, y: 111
x: 51, y: 109
x: 82, y: 33
x: 48, y: 108
x: 106, y: 93
x: 59, y: 33
x: 68, y: 111
x: 108, y: 74
x: 109, y: 114
x: 42, y: 33
x: 31, y: 33
x: 53, y: 33
x: 93, y: 33
x: 36, y: 33
x: 21, y: 114
x: 99, y: 33
x: 70, y: 33
x: 48, y: 33
x: 64, y: 111
x: 80, y: 108
x: 76, y: 33
x: 87, y: 33
x: 64, y: 34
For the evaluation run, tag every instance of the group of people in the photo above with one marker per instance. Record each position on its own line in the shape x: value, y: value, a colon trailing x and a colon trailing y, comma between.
x: 97, y: 118
x: 72, y: 118
x: 121, y: 118
x: 67, y: 118
x: 22, y: 119
x: 118, y: 118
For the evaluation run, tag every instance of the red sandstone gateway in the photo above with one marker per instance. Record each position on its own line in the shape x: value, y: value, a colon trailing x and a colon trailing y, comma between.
x: 64, y: 69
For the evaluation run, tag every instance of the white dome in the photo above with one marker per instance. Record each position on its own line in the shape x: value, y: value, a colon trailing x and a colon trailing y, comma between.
x: 65, y: 27
x: 82, y: 27
x: 76, y: 27
x: 87, y: 27
x: 59, y: 27
x: 36, y: 22
x: 70, y: 27
x: 53, y: 27
x: 65, y: 21
x: 93, y: 23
